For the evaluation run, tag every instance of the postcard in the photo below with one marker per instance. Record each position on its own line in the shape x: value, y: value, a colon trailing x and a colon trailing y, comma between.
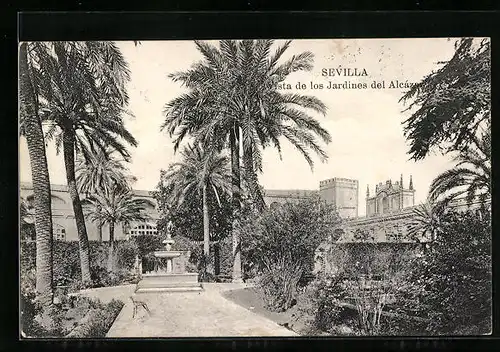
x: 242, y: 188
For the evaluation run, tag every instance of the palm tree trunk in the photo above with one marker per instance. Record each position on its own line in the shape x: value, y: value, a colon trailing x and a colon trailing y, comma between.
x: 206, y: 224
x: 206, y: 230
x: 69, y: 163
x: 41, y: 182
x: 99, y: 224
x: 99, y: 231
x: 252, y: 180
x: 234, y: 140
x: 111, y: 245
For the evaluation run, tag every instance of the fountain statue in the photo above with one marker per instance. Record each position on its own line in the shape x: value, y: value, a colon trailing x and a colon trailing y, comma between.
x: 169, y: 275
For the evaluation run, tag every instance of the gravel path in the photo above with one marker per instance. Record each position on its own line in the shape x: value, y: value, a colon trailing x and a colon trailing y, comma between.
x: 187, y: 314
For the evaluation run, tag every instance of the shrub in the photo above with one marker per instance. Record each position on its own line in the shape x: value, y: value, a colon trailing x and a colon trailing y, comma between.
x: 98, y: 254
x: 101, y: 322
x: 28, y: 280
x: 101, y: 277
x: 66, y: 259
x: 225, y: 255
x: 281, y: 243
x: 401, y: 325
x: 146, y: 244
x: 328, y: 293
x: 40, y: 321
x: 364, y: 258
x: 30, y: 308
x: 126, y: 253
x: 453, y: 281
x: 197, y: 259
x: 386, y: 266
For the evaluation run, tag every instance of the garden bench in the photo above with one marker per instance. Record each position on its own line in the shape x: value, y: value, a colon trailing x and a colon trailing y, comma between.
x: 137, y: 304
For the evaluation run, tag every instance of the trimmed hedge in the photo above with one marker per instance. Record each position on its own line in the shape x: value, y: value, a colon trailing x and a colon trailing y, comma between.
x: 67, y: 262
x: 354, y: 258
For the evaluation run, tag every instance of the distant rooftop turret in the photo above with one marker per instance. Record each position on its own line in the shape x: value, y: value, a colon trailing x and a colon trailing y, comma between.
x: 389, y: 197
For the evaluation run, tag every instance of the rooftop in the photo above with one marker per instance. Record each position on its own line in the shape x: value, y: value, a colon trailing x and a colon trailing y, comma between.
x: 64, y: 188
x: 290, y: 192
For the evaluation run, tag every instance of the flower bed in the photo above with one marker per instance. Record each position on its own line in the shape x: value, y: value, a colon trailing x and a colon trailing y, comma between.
x: 86, y: 318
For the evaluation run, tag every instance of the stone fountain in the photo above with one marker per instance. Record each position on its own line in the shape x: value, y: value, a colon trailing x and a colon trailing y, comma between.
x: 169, y: 274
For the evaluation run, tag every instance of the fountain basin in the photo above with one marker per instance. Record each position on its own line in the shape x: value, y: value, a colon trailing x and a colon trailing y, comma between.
x: 169, y: 274
x: 167, y: 254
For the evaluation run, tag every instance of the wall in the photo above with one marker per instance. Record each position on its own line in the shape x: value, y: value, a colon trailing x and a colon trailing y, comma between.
x: 280, y: 196
x: 389, y: 198
x: 63, y: 216
x: 342, y: 193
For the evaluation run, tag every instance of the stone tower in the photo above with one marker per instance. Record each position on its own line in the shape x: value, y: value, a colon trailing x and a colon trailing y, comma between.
x: 342, y: 194
x: 390, y: 197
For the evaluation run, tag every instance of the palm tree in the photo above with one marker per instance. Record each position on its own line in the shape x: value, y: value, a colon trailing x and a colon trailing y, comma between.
x: 234, y: 101
x: 100, y: 174
x: 31, y: 128
x: 81, y: 89
x: 117, y: 206
x: 470, y: 177
x: 426, y: 221
x: 200, y: 173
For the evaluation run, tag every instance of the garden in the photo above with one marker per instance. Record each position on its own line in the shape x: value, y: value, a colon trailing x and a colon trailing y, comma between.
x: 438, y: 288
x: 74, y: 315
x: 211, y: 194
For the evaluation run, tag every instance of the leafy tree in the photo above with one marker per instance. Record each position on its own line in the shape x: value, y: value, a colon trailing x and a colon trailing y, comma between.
x: 453, y: 282
x: 101, y: 173
x: 471, y: 176
x: 31, y: 128
x: 233, y: 101
x: 118, y: 206
x: 80, y: 87
x: 281, y: 244
x: 200, y: 173
x: 452, y: 102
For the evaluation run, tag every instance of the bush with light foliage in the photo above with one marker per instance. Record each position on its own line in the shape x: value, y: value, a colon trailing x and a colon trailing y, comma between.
x: 280, y: 243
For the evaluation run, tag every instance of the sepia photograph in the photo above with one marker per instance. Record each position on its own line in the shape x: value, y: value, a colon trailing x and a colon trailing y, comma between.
x: 247, y: 188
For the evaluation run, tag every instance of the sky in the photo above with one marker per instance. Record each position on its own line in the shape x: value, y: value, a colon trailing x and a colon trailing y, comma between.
x: 365, y: 124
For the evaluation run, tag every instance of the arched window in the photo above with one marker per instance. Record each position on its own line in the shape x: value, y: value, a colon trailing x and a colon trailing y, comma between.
x: 59, y: 232
x: 385, y: 205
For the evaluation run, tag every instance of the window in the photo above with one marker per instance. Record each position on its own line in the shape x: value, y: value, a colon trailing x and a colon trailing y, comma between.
x: 143, y: 229
x: 59, y: 232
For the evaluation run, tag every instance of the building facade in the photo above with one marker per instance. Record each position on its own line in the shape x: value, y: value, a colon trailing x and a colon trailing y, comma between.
x: 389, y: 197
x: 63, y: 218
x: 273, y: 197
x: 342, y: 195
